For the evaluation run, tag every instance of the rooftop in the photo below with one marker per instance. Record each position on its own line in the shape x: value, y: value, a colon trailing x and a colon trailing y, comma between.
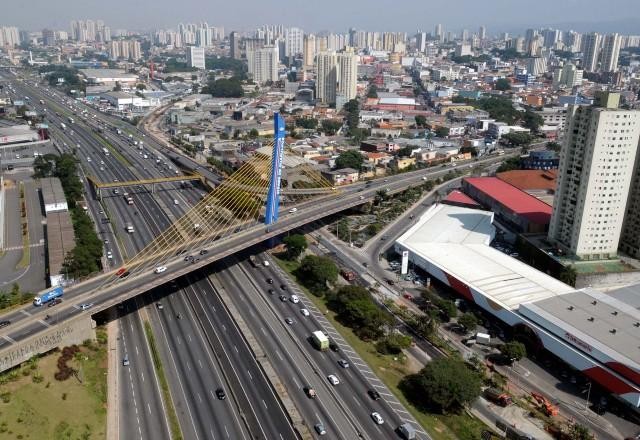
x: 511, y: 197
x: 597, y: 319
x: 457, y: 240
x: 459, y: 197
x: 530, y: 179
x: 107, y: 73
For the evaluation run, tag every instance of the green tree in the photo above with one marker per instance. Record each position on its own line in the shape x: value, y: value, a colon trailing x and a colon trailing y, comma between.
x: 355, y: 308
x: 502, y: 84
x: 472, y: 150
x: 513, y: 350
x: 532, y: 121
x: 580, y: 432
x: 316, y: 272
x: 393, y: 343
x: 513, y: 163
x: 296, y: 244
x: 500, y: 108
x: 444, y: 384
x: 442, y: 132
x: 331, y: 126
x: 118, y: 87
x: 224, y: 88
x: 350, y: 159
x: 468, y: 321
x: 141, y: 86
x: 569, y: 275
x: 405, y: 151
x: 420, y: 121
x: 518, y: 138
x: 307, y: 123
x: 253, y: 133
x: 373, y: 91
x: 553, y: 146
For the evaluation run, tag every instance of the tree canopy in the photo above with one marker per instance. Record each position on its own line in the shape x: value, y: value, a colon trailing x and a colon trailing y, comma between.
x: 224, y: 88
x: 513, y: 163
x: 331, y: 126
x: 502, y: 84
x: 442, y: 132
x: 316, y: 272
x: 499, y: 108
x: 468, y: 321
x: 296, y: 245
x: 238, y: 68
x: 532, y: 121
x: 444, y: 384
x: 307, y: 123
x: 513, y: 350
x: 373, y: 91
x: 355, y: 308
x: 420, y: 120
x: 350, y: 159
x: 518, y: 138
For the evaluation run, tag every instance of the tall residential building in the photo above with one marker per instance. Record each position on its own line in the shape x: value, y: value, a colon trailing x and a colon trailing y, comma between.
x: 591, y: 50
x: 125, y: 49
x: 610, y: 52
x: 263, y: 64
x: 630, y: 238
x: 234, y: 45
x: 309, y: 51
x: 293, y: 42
x: 48, y: 37
x: 550, y: 37
x: 465, y: 35
x: 595, y: 173
x: 572, y: 41
x: 195, y: 57
x: 568, y: 76
x: 537, y: 66
x: 482, y: 33
x: 347, y: 77
x: 326, y: 77
x: 438, y: 33
x: 421, y: 41
x: 9, y: 36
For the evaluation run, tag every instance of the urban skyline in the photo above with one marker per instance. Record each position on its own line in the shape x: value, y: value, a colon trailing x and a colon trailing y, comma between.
x: 584, y: 16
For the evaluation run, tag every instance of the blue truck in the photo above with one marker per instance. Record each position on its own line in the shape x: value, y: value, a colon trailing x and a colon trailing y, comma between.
x: 48, y: 296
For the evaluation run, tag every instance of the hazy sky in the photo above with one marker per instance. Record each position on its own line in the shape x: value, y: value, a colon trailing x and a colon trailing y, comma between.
x: 333, y: 15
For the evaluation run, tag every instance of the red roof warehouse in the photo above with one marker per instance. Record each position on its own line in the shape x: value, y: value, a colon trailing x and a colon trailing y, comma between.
x: 525, y: 212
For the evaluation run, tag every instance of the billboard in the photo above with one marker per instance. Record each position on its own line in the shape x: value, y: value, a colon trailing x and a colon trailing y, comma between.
x: 405, y: 262
x: 273, y: 196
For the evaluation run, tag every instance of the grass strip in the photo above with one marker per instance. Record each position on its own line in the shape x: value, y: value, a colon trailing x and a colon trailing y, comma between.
x: 391, y: 371
x: 174, y: 424
x: 24, y: 223
x: 119, y: 157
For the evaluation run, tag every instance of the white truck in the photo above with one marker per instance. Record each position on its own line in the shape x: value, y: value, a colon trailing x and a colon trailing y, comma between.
x: 483, y: 338
x: 129, y: 228
x: 320, y: 340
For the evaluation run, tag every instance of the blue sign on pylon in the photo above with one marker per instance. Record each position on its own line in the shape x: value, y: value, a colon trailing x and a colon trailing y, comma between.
x: 273, y: 197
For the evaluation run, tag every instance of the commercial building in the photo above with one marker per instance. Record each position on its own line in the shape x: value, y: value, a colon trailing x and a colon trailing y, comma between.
x: 553, y: 116
x: 595, y: 173
x: 17, y: 134
x: 513, y: 207
x: 591, y: 331
x: 263, y: 64
x: 541, y: 160
x: 195, y: 57
x: 108, y: 77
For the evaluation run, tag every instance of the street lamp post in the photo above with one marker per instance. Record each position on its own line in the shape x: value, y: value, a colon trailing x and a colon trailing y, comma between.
x: 586, y: 407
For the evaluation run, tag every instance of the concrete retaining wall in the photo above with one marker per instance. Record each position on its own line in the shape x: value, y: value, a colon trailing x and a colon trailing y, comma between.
x: 607, y: 281
x: 70, y: 332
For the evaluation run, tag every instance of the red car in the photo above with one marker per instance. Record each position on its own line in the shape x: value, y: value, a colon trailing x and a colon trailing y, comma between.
x: 121, y: 271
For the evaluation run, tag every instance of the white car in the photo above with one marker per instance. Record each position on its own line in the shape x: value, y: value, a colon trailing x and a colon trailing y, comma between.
x: 160, y: 269
x: 333, y: 379
x: 292, y: 210
x: 175, y: 202
x: 109, y: 255
x: 377, y: 418
x: 295, y: 299
x: 304, y: 312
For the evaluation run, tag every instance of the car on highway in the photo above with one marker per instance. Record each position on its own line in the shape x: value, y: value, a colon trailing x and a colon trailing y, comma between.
x: 271, y: 291
x: 109, y: 255
x: 86, y: 306
x: 195, y: 260
x: 159, y: 305
x: 292, y: 210
x: 188, y: 258
x: 309, y: 391
x: 377, y: 418
x: 343, y: 363
x: 373, y: 394
x: 160, y: 269
x: 221, y: 394
x: 361, y: 197
x: 283, y: 286
x: 175, y: 202
x: 204, y: 252
x: 333, y: 379
x: 304, y: 312
x: 283, y: 298
x: 295, y: 299
x: 270, y: 280
x: 319, y: 427
x: 288, y: 321
x: 125, y: 360
x: 5, y: 323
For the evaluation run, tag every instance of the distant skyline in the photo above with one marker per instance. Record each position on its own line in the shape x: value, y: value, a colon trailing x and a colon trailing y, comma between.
x: 333, y: 15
